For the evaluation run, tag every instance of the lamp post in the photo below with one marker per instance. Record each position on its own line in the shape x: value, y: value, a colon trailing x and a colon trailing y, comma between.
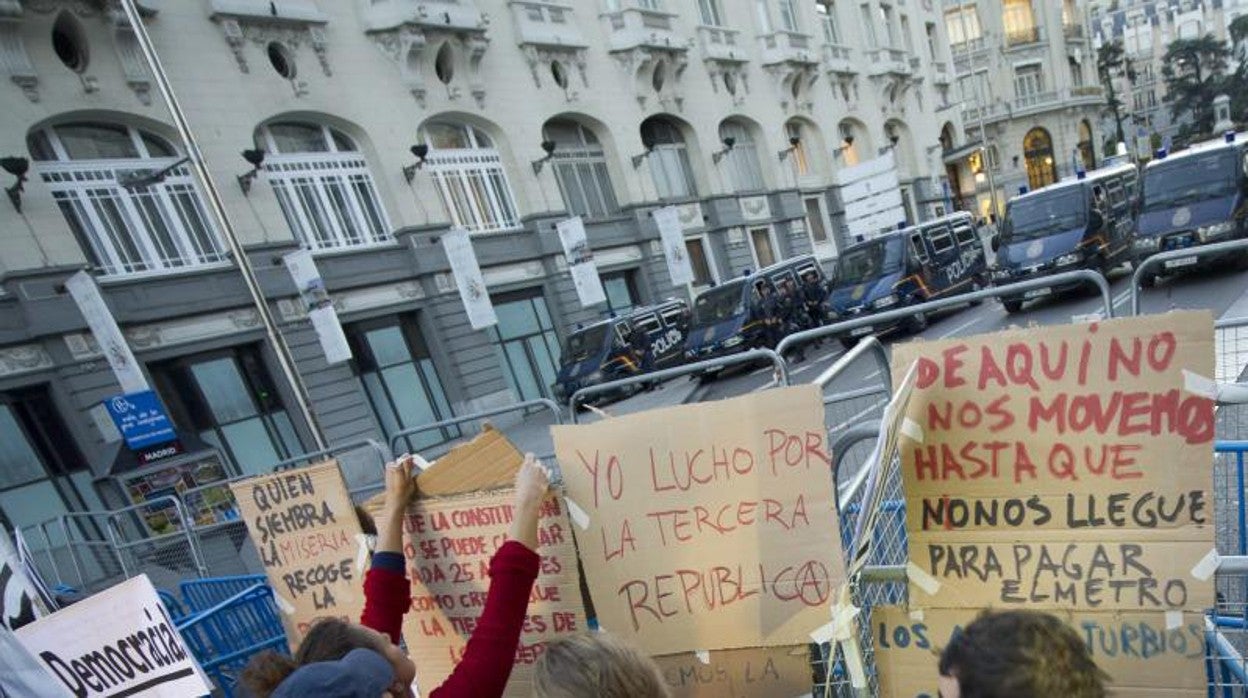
x: 217, y: 208
x: 979, y: 111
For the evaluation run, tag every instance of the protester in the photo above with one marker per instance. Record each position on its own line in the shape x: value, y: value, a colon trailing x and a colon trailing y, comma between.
x: 597, y: 665
x: 325, y: 663
x: 1019, y: 654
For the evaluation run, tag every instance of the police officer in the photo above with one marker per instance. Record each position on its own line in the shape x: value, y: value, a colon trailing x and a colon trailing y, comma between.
x: 793, y: 315
x: 766, y: 310
x: 813, y: 295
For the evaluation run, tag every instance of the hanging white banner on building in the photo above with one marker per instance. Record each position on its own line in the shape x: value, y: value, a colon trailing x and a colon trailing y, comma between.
x: 119, y: 642
x: 319, y: 306
x: 107, y: 334
x: 871, y: 194
x: 673, y: 237
x: 581, y: 262
x: 472, y: 291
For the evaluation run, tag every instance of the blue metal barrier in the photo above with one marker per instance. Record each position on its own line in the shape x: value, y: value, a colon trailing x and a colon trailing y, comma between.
x: 225, y: 636
x: 1238, y: 448
x: 202, y: 594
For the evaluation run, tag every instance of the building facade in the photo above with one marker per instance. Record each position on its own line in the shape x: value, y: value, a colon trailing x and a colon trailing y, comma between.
x: 383, y: 123
x: 1026, y: 75
x: 1146, y: 28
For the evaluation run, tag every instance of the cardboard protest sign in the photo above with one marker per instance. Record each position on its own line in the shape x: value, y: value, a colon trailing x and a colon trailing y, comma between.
x: 1139, y: 651
x: 304, y: 526
x: 753, y: 672
x: 449, y: 540
x: 119, y: 642
x: 708, y: 526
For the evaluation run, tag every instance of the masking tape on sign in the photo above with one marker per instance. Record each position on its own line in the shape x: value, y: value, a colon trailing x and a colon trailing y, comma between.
x: 921, y: 579
x: 823, y: 633
x: 917, y: 615
x: 1197, y: 384
x: 361, y: 552
x: 579, y: 517
x: 1207, y: 566
x: 703, y: 656
x: 421, y: 464
x: 846, y: 635
x: 911, y: 428
x: 1174, y: 620
x: 284, y: 605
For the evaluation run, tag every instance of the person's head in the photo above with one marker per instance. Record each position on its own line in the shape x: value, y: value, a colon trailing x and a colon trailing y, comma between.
x: 1019, y: 654
x: 596, y: 664
x: 328, y: 640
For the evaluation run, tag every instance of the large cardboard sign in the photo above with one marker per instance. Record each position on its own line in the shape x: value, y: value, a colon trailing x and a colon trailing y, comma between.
x: 119, y: 642
x: 304, y: 526
x: 708, y: 526
x: 1066, y: 471
x: 755, y: 672
x: 1139, y: 651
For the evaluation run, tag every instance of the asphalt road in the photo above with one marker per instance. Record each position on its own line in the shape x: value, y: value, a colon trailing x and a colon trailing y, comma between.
x: 1215, y: 289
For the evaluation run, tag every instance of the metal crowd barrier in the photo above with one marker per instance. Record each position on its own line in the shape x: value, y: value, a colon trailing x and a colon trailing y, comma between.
x: 1162, y: 257
x: 541, y: 403
x: 162, y: 550
x: 749, y: 356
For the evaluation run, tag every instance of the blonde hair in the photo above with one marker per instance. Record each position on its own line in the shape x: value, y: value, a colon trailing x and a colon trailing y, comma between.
x: 596, y: 665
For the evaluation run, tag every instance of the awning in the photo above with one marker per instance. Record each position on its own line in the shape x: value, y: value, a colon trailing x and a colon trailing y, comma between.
x: 959, y: 154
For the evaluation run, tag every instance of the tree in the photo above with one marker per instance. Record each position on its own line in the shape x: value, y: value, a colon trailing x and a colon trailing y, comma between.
x: 1110, y: 62
x: 1238, y: 80
x: 1195, y: 73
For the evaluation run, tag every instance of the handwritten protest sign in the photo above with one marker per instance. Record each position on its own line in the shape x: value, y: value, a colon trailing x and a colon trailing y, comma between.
x: 450, y: 534
x: 754, y: 672
x: 1064, y: 471
x: 119, y: 642
x: 303, y: 524
x: 1139, y: 651
x: 707, y: 526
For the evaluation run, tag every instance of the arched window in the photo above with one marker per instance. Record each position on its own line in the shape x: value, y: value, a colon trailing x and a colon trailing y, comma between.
x: 470, y: 178
x: 669, y: 158
x: 1038, y: 150
x: 128, y: 200
x: 799, y: 139
x: 1085, y: 145
x: 581, y: 169
x: 741, y: 161
x: 323, y: 185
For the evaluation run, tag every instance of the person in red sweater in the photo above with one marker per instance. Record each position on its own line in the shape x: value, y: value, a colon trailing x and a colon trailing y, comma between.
x: 338, y: 659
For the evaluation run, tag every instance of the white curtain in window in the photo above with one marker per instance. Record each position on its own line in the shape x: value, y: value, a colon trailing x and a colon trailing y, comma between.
x: 580, y: 167
x: 741, y: 161
x: 470, y: 178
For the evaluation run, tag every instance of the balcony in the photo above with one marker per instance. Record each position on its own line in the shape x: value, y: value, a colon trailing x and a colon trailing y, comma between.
x: 383, y: 15
x: 541, y: 23
x: 940, y: 73
x: 638, y: 27
x: 720, y: 44
x: 786, y: 47
x: 1035, y: 101
x: 991, y: 112
x: 886, y: 61
x: 839, y: 59
x: 1017, y: 38
x: 1086, y: 95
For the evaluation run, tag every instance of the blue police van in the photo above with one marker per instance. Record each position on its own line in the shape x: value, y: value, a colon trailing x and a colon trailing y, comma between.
x: 1085, y: 222
x: 932, y: 260
x: 601, y: 351
x: 1191, y: 198
x: 726, y: 318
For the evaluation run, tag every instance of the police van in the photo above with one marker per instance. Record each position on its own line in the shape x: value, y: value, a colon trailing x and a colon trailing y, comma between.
x: 726, y: 318
x: 1191, y: 198
x: 936, y: 259
x: 1085, y: 222
x: 600, y: 352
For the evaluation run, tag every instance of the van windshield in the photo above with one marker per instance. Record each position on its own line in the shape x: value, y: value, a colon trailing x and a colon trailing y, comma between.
x: 583, y: 343
x: 1044, y: 214
x: 1189, y: 179
x: 866, y: 262
x: 718, y: 304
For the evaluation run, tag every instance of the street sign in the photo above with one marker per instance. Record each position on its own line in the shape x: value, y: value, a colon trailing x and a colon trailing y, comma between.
x: 141, y: 419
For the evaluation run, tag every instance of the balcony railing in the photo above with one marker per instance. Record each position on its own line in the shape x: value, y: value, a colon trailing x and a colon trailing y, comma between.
x: 633, y: 27
x: 1035, y: 100
x: 721, y: 44
x: 1072, y: 31
x: 784, y: 46
x: 971, y: 46
x: 839, y: 59
x: 890, y: 60
x: 1022, y: 37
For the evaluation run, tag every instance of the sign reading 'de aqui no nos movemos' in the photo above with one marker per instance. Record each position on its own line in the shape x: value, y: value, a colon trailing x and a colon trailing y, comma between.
x: 119, y: 642
x: 707, y: 526
x: 1067, y: 470
x: 304, y: 526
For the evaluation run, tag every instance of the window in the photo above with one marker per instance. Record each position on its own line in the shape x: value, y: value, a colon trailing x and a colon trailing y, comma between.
x: 827, y: 19
x: 1076, y: 72
x: 764, y: 247
x: 801, y: 163
x: 941, y: 240
x: 323, y: 186
x: 930, y: 30
x: 1020, y: 24
x: 886, y: 17
x: 400, y: 379
x: 917, y: 248
x: 669, y: 159
x: 580, y: 167
x: 1038, y: 152
x: 764, y: 16
x: 468, y: 172
x: 962, y: 24
x: 526, y: 343
x: 229, y: 400
x: 655, y: 5
x: 1028, y: 80
x: 700, y: 261
x: 965, y: 235
x: 814, y: 221
x: 621, y: 291
x: 788, y: 15
x: 868, y: 25
x: 906, y: 39
x: 711, y: 14
x: 151, y: 226
x: 741, y: 162
x: 42, y: 473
